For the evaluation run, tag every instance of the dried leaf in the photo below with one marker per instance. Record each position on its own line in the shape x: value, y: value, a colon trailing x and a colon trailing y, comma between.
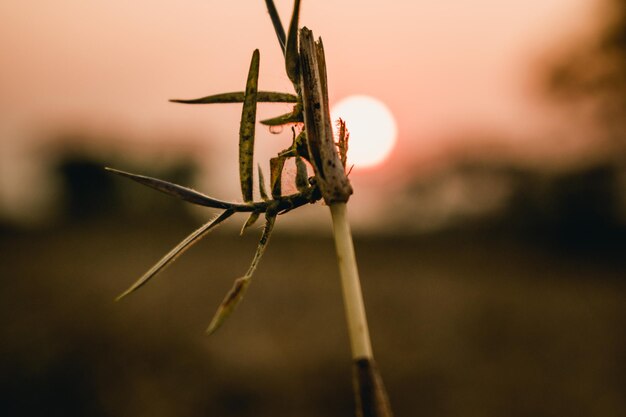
x: 294, y: 116
x: 246, y: 130
x: 278, y: 26
x: 262, y: 190
x: 236, y: 293
x: 181, y: 192
x: 302, y: 176
x: 292, y: 61
x: 332, y: 179
x: 301, y: 146
x: 238, y: 97
x: 342, y: 143
x: 254, y: 216
x: 270, y: 219
x: 321, y: 64
x: 276, y: 171
x: 178, y: 250
x: 232, y: 299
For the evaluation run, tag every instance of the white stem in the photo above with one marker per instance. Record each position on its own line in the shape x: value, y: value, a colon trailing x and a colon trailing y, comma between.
x: 353, y: 299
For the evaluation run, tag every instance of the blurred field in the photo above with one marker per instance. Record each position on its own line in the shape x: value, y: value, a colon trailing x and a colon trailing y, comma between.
x: 462, y: 325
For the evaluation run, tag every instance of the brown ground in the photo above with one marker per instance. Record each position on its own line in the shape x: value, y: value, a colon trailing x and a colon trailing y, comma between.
x: 461, y: 326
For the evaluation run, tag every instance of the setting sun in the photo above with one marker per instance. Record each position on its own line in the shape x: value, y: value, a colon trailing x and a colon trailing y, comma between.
x: 372, y: 129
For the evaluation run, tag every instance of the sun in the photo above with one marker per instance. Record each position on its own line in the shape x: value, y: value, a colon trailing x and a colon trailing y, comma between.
x: 372, y: 128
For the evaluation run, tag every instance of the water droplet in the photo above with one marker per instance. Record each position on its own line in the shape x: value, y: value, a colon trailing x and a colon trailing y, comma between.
x: 275, y: 130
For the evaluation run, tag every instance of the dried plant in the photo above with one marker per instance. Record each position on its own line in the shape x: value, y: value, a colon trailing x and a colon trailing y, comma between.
x: 313, y: 142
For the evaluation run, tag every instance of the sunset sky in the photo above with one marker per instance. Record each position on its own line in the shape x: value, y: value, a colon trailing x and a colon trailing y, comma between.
x: 448, y: 71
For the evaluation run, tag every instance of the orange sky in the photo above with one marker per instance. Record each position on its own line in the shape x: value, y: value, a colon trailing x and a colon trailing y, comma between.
x: 445, y: 68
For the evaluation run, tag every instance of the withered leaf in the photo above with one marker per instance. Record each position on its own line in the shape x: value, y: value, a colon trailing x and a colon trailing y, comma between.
x: 246, y: 129
x: 236, y: 293
x: 238, y: 97
x: 278, y: 26
x: 254, y: 216
x: 184, y: 193
x: 262, y: 190
x: 177, y: 251
x: 292, y: 61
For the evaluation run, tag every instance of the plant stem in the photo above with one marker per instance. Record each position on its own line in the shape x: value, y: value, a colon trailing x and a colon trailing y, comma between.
x: 351, y: 286
x: 371, y: 397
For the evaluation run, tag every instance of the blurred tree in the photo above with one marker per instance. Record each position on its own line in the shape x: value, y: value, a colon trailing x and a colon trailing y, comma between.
x: 594, y: 78
x: 573, y: 209
x: 89, y: 192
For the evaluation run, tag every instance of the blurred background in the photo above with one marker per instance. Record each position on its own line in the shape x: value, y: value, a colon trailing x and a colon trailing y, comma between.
x: 491, y: 242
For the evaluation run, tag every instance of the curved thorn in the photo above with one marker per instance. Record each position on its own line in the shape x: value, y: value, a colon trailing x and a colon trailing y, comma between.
x: 177, y: 251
